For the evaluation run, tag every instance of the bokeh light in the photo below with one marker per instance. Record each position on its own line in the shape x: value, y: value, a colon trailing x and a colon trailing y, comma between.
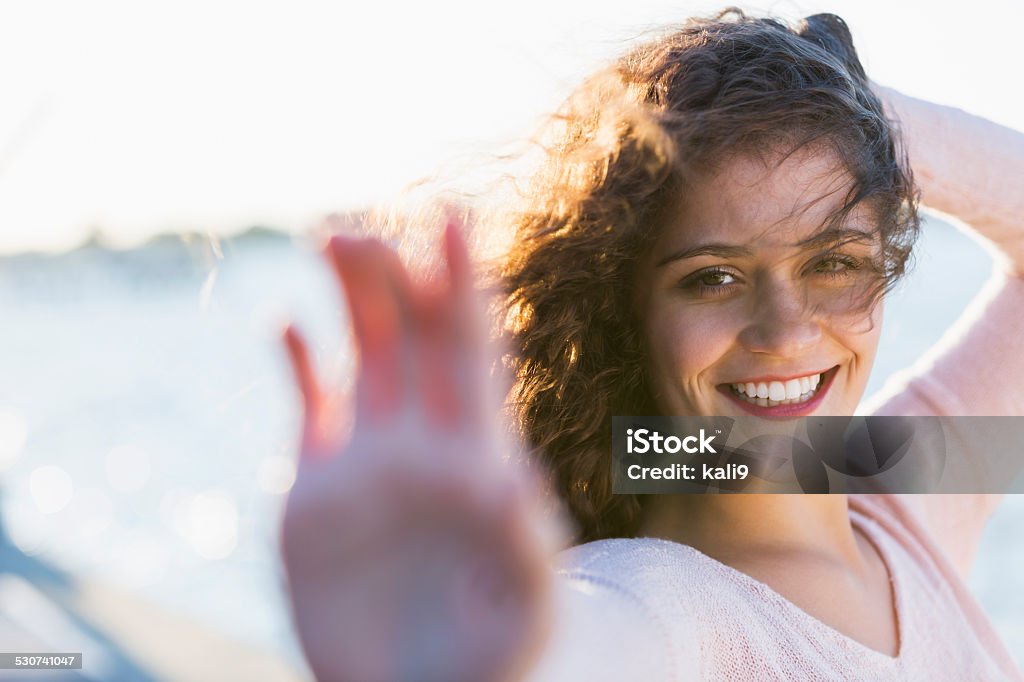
x: 51, y: 488
x: 13, y: 435
x: 276, y: 474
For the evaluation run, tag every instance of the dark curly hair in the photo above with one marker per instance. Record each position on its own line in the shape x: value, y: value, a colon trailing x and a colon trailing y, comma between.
x: 634, y: 135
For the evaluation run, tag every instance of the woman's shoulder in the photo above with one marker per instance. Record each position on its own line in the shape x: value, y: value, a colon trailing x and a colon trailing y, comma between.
x: 638, y: 603
x: 632, y: 565
x: 675, y: 585
x: 610, y: 620
x: 644, y: 572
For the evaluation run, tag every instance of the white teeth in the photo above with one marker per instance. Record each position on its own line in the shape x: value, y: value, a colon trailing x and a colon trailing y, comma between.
x: 793, y: 389
x: 770, y: 394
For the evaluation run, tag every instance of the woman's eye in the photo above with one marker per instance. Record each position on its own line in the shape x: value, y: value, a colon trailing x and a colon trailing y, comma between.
x: 710, y: 282
x: 715, y: 279
x: 836, y: 266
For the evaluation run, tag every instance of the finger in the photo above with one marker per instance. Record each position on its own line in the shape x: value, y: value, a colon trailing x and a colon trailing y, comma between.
x: 439, y: 393
x: 309, y: 388
x: 468, y: 317
x: 468, y: 359
x: 448, y: 348
x: 302, y: 367
x: 407, y: 301
x: 460, y: 266
x: 397, y: 277
x: 376, y: 322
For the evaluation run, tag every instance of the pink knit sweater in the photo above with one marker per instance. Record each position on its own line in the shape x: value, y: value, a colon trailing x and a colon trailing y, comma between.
x: 644, y: 608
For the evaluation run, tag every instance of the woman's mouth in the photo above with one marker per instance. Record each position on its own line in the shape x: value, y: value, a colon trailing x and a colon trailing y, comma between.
x: 794, y: 397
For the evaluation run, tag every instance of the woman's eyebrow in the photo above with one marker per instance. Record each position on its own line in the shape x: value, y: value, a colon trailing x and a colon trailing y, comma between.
x: 836, y: 235
x: 828, y: 237
x: 720, y: 250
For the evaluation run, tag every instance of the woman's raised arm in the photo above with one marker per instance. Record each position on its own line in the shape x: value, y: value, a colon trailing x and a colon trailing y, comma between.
x: 973, y: 170
x: 967, y: 167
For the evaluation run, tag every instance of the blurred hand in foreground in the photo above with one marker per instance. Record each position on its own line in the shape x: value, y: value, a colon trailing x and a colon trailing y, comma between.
x: 412, y: 550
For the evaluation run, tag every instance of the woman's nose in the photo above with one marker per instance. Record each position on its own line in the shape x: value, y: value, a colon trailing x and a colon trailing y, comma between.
x: 782, y: 324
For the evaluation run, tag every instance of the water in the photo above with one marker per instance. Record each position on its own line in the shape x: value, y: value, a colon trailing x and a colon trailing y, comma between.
x: 147, y: 419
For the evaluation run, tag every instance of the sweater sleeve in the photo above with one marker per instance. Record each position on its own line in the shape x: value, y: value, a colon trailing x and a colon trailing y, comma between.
x: 973, y: 170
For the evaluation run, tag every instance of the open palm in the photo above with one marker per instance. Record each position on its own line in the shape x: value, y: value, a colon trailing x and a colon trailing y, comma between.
x: 412, y: 550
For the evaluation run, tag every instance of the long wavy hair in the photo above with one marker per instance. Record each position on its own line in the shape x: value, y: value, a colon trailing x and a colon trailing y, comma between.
x: 633, y: 136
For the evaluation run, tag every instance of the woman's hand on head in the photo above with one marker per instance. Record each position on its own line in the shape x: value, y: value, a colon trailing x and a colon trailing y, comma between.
x: 412, y: 550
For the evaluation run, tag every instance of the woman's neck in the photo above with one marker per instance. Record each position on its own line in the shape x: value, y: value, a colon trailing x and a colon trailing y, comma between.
x: 731, y: 528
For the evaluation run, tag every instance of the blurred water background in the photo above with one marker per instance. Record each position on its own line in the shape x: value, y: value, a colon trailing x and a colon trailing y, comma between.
x: 147, y: 420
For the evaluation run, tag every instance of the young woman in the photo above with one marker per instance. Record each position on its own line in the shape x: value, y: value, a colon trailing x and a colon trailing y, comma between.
x: 714, y: 230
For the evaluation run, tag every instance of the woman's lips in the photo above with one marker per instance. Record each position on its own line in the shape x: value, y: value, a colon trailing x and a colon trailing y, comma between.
x: 790, y: 411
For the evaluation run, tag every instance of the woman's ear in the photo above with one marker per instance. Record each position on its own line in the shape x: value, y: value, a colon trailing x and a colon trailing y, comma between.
x: 831, y: 33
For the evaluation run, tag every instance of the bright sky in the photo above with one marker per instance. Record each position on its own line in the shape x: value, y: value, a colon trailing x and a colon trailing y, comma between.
x: 214, y: 115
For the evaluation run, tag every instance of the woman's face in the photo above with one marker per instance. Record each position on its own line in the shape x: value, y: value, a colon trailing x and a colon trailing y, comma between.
x: 749, y: 302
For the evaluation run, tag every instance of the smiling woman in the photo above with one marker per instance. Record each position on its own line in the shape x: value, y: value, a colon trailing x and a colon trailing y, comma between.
x: 719, y: 218
x: 732, y: 205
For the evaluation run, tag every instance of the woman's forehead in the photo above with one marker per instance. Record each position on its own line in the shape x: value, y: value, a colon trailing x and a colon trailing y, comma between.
x: 766, y: 201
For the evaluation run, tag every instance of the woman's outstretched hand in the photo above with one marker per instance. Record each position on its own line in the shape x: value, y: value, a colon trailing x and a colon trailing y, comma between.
x: 412, y: 551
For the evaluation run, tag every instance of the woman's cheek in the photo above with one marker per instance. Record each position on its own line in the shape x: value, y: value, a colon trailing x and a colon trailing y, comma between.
x: 683, y: 348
